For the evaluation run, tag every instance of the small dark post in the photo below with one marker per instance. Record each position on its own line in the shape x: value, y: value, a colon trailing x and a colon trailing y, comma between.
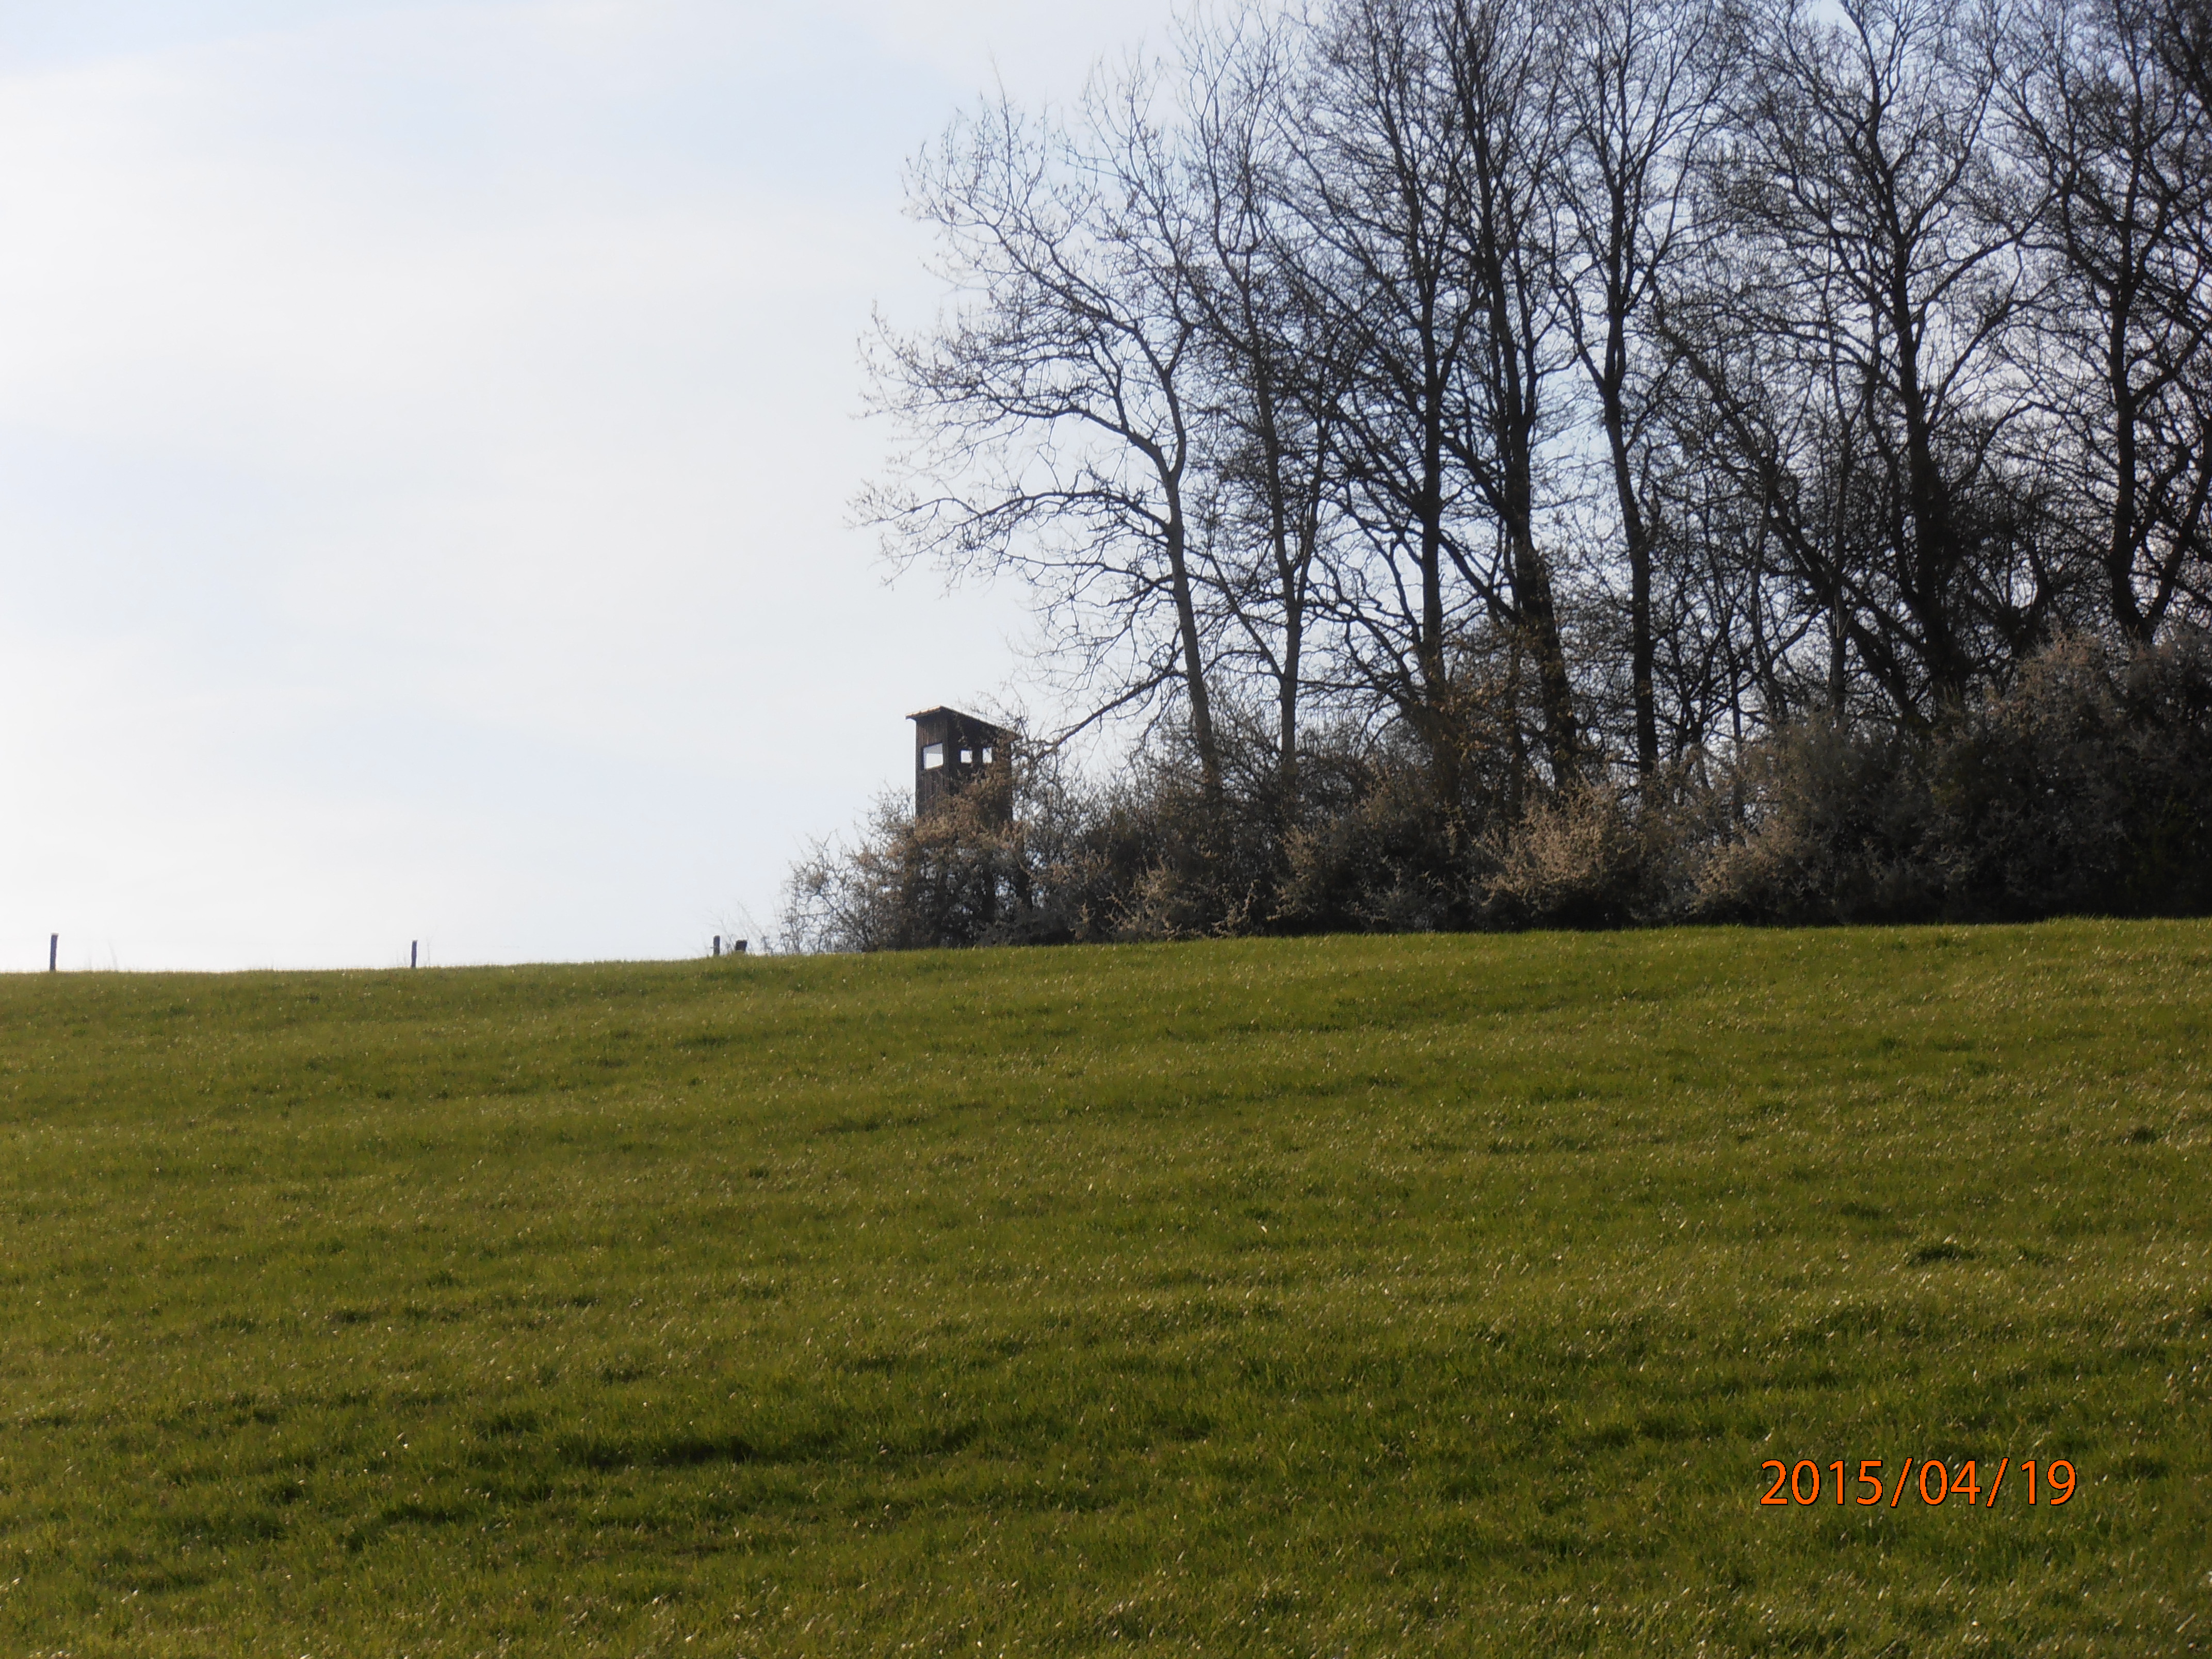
x: 413, y: 944
x: 53, y: 952
x: 738, y: 947
x: 718, y: 944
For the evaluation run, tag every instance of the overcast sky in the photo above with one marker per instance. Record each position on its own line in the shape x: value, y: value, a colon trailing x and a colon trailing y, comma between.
x: 427, y: 433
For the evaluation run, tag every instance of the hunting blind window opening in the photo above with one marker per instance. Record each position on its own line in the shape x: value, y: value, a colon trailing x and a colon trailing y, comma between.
x: 934, y: 756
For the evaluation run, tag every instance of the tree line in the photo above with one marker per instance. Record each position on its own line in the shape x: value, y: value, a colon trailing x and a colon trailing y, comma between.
x: 1520, y: 407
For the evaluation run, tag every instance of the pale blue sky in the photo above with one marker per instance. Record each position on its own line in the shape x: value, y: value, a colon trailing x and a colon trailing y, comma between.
x: 426, y: 433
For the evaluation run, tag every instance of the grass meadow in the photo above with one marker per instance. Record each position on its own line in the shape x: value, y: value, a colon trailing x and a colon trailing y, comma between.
x: 1345, y: 1296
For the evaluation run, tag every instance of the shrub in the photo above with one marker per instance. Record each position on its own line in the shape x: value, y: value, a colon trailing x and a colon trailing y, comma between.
x: 1832, y: 826
x: 2084, y: 785
x: 1388, y: 859
x: 2029, y: 802
x: 1579, y: 858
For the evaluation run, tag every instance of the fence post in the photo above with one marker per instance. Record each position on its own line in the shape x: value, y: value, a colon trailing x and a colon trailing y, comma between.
x: 53, y: 952
x: 718, y: 944
x: 413, y: 944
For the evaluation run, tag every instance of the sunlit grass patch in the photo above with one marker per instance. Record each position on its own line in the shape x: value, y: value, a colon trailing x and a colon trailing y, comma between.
x: 1337, y: 1295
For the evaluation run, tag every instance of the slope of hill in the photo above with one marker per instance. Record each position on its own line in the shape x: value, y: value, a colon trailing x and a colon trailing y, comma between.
x: 1337, y: 1295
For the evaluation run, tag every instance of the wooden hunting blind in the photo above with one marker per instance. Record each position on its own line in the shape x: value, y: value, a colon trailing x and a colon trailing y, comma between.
x: 953, y: 751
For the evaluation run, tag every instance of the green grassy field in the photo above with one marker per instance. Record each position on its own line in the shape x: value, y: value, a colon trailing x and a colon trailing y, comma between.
x: 1345, y: 1297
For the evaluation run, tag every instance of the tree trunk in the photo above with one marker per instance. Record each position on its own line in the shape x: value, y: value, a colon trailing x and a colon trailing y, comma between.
x: 1637, y: 545
x: 1194, y: 660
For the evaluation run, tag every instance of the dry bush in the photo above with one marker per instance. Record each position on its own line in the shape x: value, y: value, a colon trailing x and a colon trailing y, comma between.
x: 2167, y: 693
x: 1579, y: 858
x: 1188, y: 864
x: 1833, y: 828
x: 2030, y: 814
x: 966, y: 874
x: 1389, y: 858
x: 952, y: 877
x: 2086, y: 785
x: 1151, y: 855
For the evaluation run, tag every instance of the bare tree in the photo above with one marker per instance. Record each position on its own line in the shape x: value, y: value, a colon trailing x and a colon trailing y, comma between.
x: 1865, y: 273
x: 1379, y: 183
x: 1048, y: 411
x: 1479, y: 426
x: 1638, y: 82
x: 1506, y: 71
x: 1564, y: 385
x: 1275, y: 358
x: 1423, y: 142
x: 2122, y: 152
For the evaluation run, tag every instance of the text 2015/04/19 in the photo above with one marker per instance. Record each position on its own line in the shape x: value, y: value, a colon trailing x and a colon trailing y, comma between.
x: 1808, y: 1482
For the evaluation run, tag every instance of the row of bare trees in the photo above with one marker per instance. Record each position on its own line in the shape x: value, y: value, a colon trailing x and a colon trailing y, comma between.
x: 1577, y: 387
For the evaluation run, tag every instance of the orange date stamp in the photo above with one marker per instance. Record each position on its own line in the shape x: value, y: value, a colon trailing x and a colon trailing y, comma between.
x: 1807, y: 1483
